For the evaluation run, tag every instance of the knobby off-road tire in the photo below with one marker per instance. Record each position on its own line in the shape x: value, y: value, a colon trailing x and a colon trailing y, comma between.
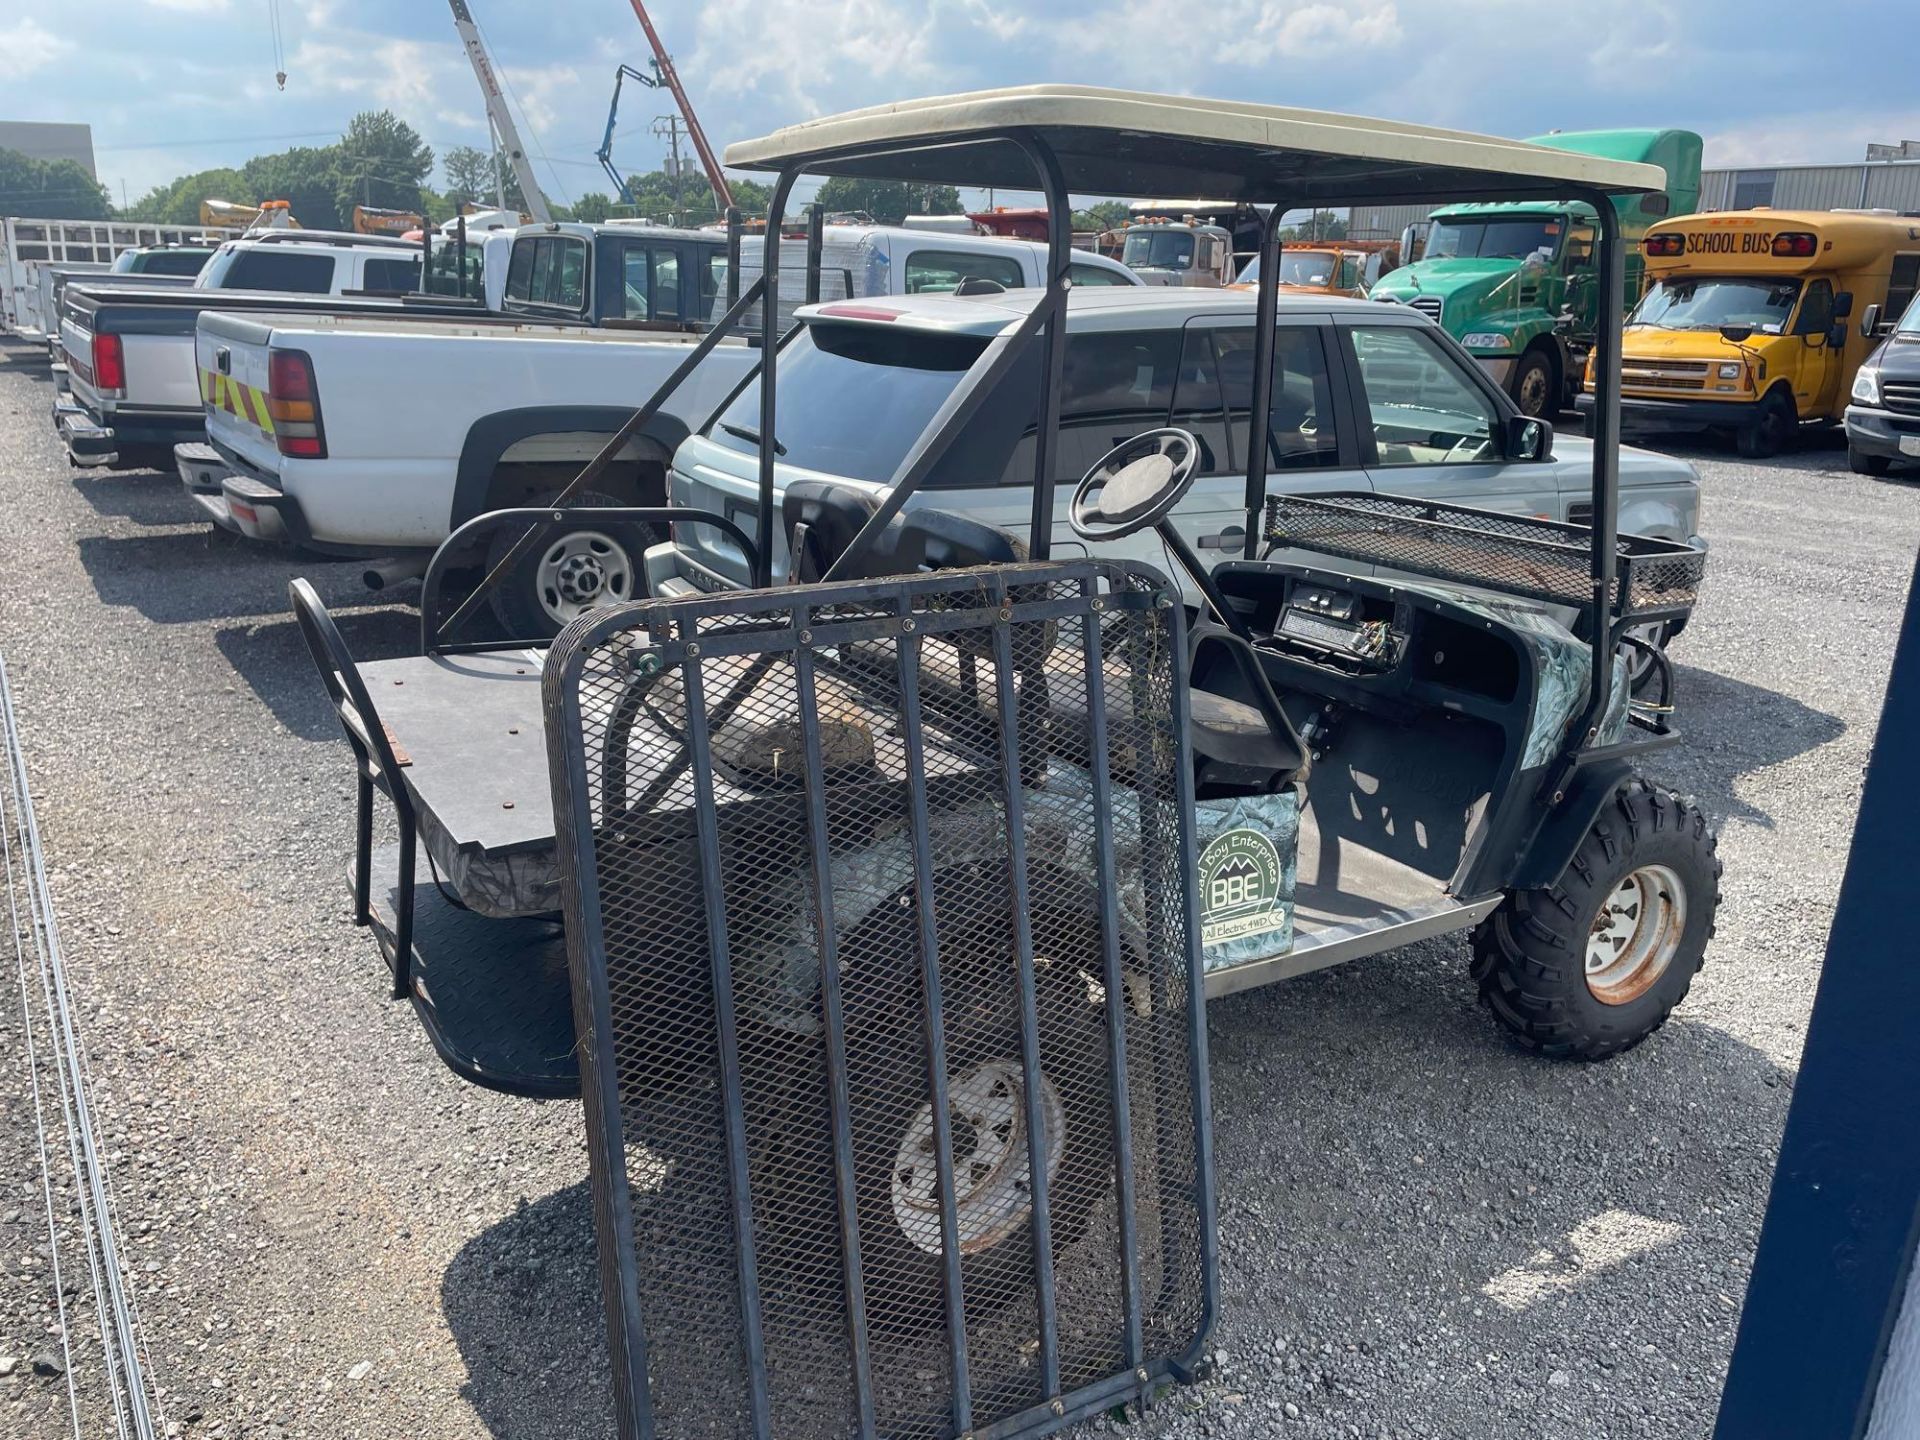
x: 1591, y: 966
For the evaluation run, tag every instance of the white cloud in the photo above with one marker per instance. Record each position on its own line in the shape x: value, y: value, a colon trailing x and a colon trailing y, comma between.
x: 194, y: 7
x: 810, y: 53
x: 26, y: 46
x: 540, y: 90
x: 1291, y: 31
x: 1830, y: 136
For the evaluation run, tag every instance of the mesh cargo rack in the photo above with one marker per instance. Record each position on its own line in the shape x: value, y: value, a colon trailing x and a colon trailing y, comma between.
x: 1515, y: 554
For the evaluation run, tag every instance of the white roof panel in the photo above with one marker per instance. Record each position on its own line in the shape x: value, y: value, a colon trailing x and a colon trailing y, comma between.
x: 1123, y: 142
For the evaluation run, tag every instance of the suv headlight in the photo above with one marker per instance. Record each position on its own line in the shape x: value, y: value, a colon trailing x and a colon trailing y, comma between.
x: 1486, y: 340
x: 1866, y: 385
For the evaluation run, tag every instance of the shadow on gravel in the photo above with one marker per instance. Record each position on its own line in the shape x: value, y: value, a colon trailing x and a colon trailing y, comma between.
x: 186, y: 577
x: 1732, y: 730
x: 146, y: 497
x: 523, y: 1302
x: 271, y: 657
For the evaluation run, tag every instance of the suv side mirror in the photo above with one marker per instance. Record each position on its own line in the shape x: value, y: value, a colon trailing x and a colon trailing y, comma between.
x: 1870, y: 322
x: 1843, y: 305
x: 1528, y: 439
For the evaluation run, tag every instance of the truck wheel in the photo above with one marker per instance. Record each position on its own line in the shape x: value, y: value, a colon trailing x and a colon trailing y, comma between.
x: 577, y: 567
x: 1770, y: 428
x: 1533, y: 388
x: 896, y: 1178
x: 1594, y: 964
x: 1861, y: 463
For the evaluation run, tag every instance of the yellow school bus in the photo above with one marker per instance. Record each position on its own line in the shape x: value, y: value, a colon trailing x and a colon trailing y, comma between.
x: 1754, y: 321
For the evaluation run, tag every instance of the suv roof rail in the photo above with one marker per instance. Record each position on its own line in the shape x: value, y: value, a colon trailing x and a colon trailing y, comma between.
x: 330, y: 237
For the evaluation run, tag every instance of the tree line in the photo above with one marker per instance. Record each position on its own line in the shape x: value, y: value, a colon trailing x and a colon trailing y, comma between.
x: 381, y: 161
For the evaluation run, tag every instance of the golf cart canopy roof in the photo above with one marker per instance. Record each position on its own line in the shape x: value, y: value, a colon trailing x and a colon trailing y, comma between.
x: 1123, y: 142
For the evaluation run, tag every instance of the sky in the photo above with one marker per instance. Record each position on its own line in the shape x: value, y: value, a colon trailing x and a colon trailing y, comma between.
x: 173, y: 86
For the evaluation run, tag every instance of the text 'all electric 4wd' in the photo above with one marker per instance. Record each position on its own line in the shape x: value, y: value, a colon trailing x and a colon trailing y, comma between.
x: 892, y: 894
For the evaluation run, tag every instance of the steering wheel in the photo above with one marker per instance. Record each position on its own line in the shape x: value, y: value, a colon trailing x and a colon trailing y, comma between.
x: 1469, y: 447
x: 1134, y: 485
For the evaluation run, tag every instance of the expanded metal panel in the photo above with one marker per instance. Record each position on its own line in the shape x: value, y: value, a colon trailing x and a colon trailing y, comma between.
x: 886, y: 971
x: 1540, y: 559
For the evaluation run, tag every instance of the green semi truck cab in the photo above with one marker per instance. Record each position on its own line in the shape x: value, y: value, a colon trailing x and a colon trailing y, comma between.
x: 1515, y: 283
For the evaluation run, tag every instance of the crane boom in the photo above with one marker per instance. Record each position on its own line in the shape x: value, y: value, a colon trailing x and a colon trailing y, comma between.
x: 498, y: 114
x: 716, y: 177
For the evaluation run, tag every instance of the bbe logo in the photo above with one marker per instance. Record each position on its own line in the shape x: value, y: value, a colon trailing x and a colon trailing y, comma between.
x: 1726, y: 242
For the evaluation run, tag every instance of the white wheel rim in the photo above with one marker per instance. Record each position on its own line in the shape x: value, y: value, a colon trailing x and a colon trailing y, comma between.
x: 582, y: 570
x: 1639, y: 661
x: 1636, y: 934
x: 987, y: 1115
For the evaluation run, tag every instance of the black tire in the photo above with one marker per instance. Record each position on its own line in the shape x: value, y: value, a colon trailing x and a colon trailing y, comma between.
x: 887, y: 1064
x: 518, y: 601
x: 1770, y: 430
x: 1861, y: 463
x: 1535, y: 385
x: 1530, y: 957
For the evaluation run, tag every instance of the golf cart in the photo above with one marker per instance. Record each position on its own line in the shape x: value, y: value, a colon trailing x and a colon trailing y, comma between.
x: 892, y: 894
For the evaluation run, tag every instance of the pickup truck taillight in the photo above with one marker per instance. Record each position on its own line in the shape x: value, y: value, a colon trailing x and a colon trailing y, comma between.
x: 294, y: 403
x: 109, y: 365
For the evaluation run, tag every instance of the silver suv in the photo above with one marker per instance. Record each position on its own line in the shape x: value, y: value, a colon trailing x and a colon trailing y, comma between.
x: 1366, y: 397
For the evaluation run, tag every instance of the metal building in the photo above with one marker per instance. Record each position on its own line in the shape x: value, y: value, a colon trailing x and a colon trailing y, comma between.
x: 47, y: 140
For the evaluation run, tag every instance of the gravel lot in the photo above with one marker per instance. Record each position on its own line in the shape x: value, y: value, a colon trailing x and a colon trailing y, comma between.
x: 1425, y: 1232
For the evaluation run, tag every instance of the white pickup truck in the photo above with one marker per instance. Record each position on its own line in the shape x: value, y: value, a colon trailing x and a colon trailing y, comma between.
x: 359, y: 436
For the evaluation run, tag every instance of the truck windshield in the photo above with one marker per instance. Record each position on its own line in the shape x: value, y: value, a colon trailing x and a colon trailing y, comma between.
x: 1160, y: 249
x: 904, y: 374
x: 1514, y: 239
x: 1707, y: 304
x: 1303, y: 267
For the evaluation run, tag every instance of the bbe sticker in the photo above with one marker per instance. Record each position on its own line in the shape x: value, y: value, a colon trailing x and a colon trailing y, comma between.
x: 1239, y: 887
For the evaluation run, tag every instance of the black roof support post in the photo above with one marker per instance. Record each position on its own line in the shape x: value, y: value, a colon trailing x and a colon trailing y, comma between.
x: 769, y: 353
x: 1606, y: 456
x: 1047, y: 403
x: 1266, y: 321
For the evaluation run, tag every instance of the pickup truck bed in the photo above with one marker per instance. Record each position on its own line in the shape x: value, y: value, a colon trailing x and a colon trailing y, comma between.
x: 159, y: 405
x: 419, y: 425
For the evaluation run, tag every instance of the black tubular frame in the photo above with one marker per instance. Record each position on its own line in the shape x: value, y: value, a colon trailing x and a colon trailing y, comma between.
x: 375, y: 766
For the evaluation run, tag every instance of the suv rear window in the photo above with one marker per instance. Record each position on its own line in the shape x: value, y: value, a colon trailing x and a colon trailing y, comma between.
x: 171, y: 262
x: 391, y: 274
x: 269, y: 269
x: 905, y: 374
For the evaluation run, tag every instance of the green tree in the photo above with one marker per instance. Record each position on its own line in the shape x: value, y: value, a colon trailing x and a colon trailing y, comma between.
x: 592, y: 207
x: 1107, y: 215
x: 306, y: 177
x: 470, y: 178
x: 383, y: 162
x: 653, y: 198
x: 178, y: 203
x: 888, y: 201
x: 54, y: 189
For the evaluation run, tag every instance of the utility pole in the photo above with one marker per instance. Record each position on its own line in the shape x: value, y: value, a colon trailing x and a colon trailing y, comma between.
x: 668, y: 128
